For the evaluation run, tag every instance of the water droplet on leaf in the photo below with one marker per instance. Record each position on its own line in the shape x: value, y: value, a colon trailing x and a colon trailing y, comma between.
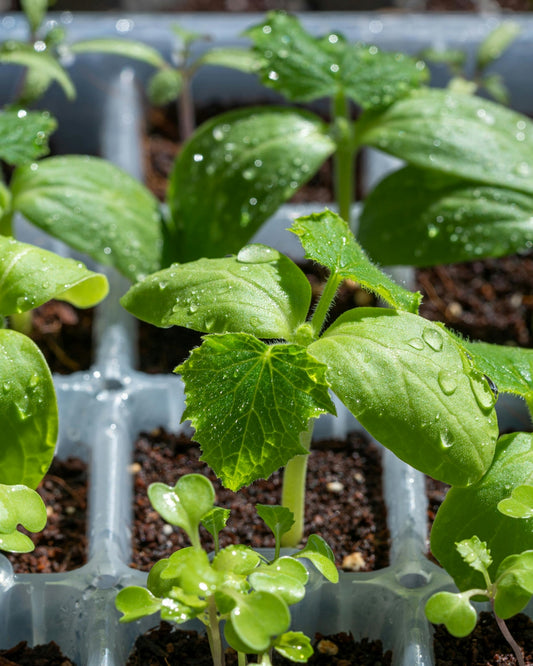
x: 433, y: 338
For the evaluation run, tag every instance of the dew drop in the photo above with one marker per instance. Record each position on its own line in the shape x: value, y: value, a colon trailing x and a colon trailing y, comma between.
x: 257, y: 254
x: 416, y: 343
x: 447, y: 381
x: 485, y: 398
x: 433, y: 338
x: 445, y: 441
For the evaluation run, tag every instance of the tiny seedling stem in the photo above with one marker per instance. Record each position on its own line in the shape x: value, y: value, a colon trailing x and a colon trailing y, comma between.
x: 213, y: 634
x: 509, y: 638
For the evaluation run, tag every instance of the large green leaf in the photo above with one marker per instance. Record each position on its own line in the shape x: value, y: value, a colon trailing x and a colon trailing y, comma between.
x: 459, y: 134
x: 249, y: 402
x: 28, y: 411
x: 24, y: 135
x: 327, y: 239
x: 421, y: 218
x: 413, y: 387
x: 234, y: 173
x: 304, y: 68
x: 30, y: 276
x: 260, y: 291
x: 474, y: 510
x: 95, y: 207
x: 514, y: 584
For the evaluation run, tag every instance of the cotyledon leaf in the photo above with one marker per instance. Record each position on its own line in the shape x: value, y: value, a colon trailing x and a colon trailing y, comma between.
x: 30, y: 276
x: 249, y: 402
x: 414, y: 388
x: 28, y: 411
x: 20, y: 505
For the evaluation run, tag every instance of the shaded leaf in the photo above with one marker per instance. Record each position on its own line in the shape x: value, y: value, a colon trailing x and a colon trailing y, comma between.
x: 24, y: 135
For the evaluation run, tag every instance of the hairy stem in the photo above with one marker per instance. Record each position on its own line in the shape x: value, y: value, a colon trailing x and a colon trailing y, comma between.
x: 508, y: 637
x: 213, y: 634
x: 293, y: 491
x: 343, y: 159
x: 324, y: 304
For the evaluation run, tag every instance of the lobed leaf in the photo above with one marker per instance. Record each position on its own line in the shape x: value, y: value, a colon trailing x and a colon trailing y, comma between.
x: 234, y: 173
x: 94, y: 207
x: 249, y: 402
x: 475, y: 553
x: 30, y: 276
x: 514, y: 584
x: 20, y: 505
x: 454, y: 611
x: 412, y: 386
x: 24, y: 135
x: 474, y: 510
x: 520, y: 504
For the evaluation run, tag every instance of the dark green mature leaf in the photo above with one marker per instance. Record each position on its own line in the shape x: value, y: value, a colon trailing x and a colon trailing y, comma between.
x: 28, y: 411
x: 260, y: 291
x: 454, y: 611
x: 94, y: 207
x: 30, y: 277
x: 421, y: 218
x: 412, y: 387
x: 304, y: 68
x: 121, y: 47
x: 234, y: 173
x: 20, y: 505
x: 459, y: 134
x: 327, y: 239
x: 249, y: 402
x: 514, y: 584
x: 24, y: 135
x: 474, y: 510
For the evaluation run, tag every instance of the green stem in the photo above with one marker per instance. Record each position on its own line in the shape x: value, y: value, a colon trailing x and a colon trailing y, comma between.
x: 6, y: 222
x: 21, y: 322
x: 241, y: 659
x: 324, y: 304
x: 213, y: 634
x: 293, y: 491
x: 265, y: 660
x: 344, y: 157
x: 509, y: 638
x: 186, y: 109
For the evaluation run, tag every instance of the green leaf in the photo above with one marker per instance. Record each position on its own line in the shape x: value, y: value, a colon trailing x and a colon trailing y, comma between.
x: 422, y: 218
x: 185, y: 504
x: 136, y: 602
x: 412, y: 386
x: 304, y: 68
x: 24, y: 54
x: 320, y: 554
x: 165, y: 86
x: 19, y: 505
x: 30, y: 277
x: 520, y: 504
x: 16, y: 542
x: 475, y: 553
x: 214, y: 521
x: 121, y: 47
x: 257, y: 619
x: 249, y: 402
x: 453, y: 610
x: 474, y: 510
x: 327, y: 239
x: 192, y: 572
x: 244, y: 60
x: 24, y: 135
x: 285, y: 577
x: 160, y: 587
x: 279, y: 519
x: 514, y: 584
x: 235, y: 172
x: 35, y: 11
x: 498, y: 41
x: 237, y: 559
x: 94, y: 207
x: 295, y: 646
x: 260, y: 292
x: 28, y: 411
x: 462, y: 135
x: 494, y: 84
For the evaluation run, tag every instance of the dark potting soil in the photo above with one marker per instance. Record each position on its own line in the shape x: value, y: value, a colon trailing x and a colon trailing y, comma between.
x: 344, y: 502
x: 62, y: 545
x: 40, y: 655
x: 485, y: 646
x: 165, y: 645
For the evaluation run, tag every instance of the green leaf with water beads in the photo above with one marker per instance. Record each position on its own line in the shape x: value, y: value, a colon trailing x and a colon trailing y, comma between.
x: 454, y: 611
x: 514, y: 584
x: 257, y: 619
x: 135, y: 603
x: 249, y: 402
x: 235, y: 172
x: 94, y: 207
x: 30, y: 276
x: 412, y: 386
x: 260, y: 292
x: 451, y: 219
x: 24, y: 135
x: 303, y: 68
x: 295, y: 646
x: 320, y: 554
x: 474, y: 510
x: 520, y: 504
x: 28, y: 411
x: 475, y: 553
x: 285, y: 577
x: 327, y: 239
x: 19, y: 505
x: 461, y: 135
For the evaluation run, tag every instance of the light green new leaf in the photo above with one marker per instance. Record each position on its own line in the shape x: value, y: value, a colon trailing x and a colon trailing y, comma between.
x: 28, y: 411
x: 327, y: 239
x: 122, y: 47
x: 260, y: 292
x: 35, y: 11
x: 286, y: 577
x: 136, y: 602
x: 520, y: 504
x: 257, y: 619
x: 279, y: 519
x: 214, y: 521
x: 295, y: 646
x: 30, y: 276
x: 191, y: 570
x: 24, y: 135
x: 16, y: 53
x: 454, y: 611
x: 235, y: 172
x: 421, y: 218
x: 320, y: 554
x: 474, y: 510
x: 249, y: 402
x: 459, y: 134
x: 497, y: 42
x: 19, y: 505
x: 475, y: 553
x: 94, y: 207
x: 244, y: 60
x: 412, y: 386
x: 165, y: 86
x: 237, y: 559
x: 514, y: 584
x: 304, y: 68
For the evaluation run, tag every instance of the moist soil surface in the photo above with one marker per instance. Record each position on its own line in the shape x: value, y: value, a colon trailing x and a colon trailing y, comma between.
x: 344, y: 502
x: 167, y: 646
x: 40, y: 655
x: 62, y: 545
